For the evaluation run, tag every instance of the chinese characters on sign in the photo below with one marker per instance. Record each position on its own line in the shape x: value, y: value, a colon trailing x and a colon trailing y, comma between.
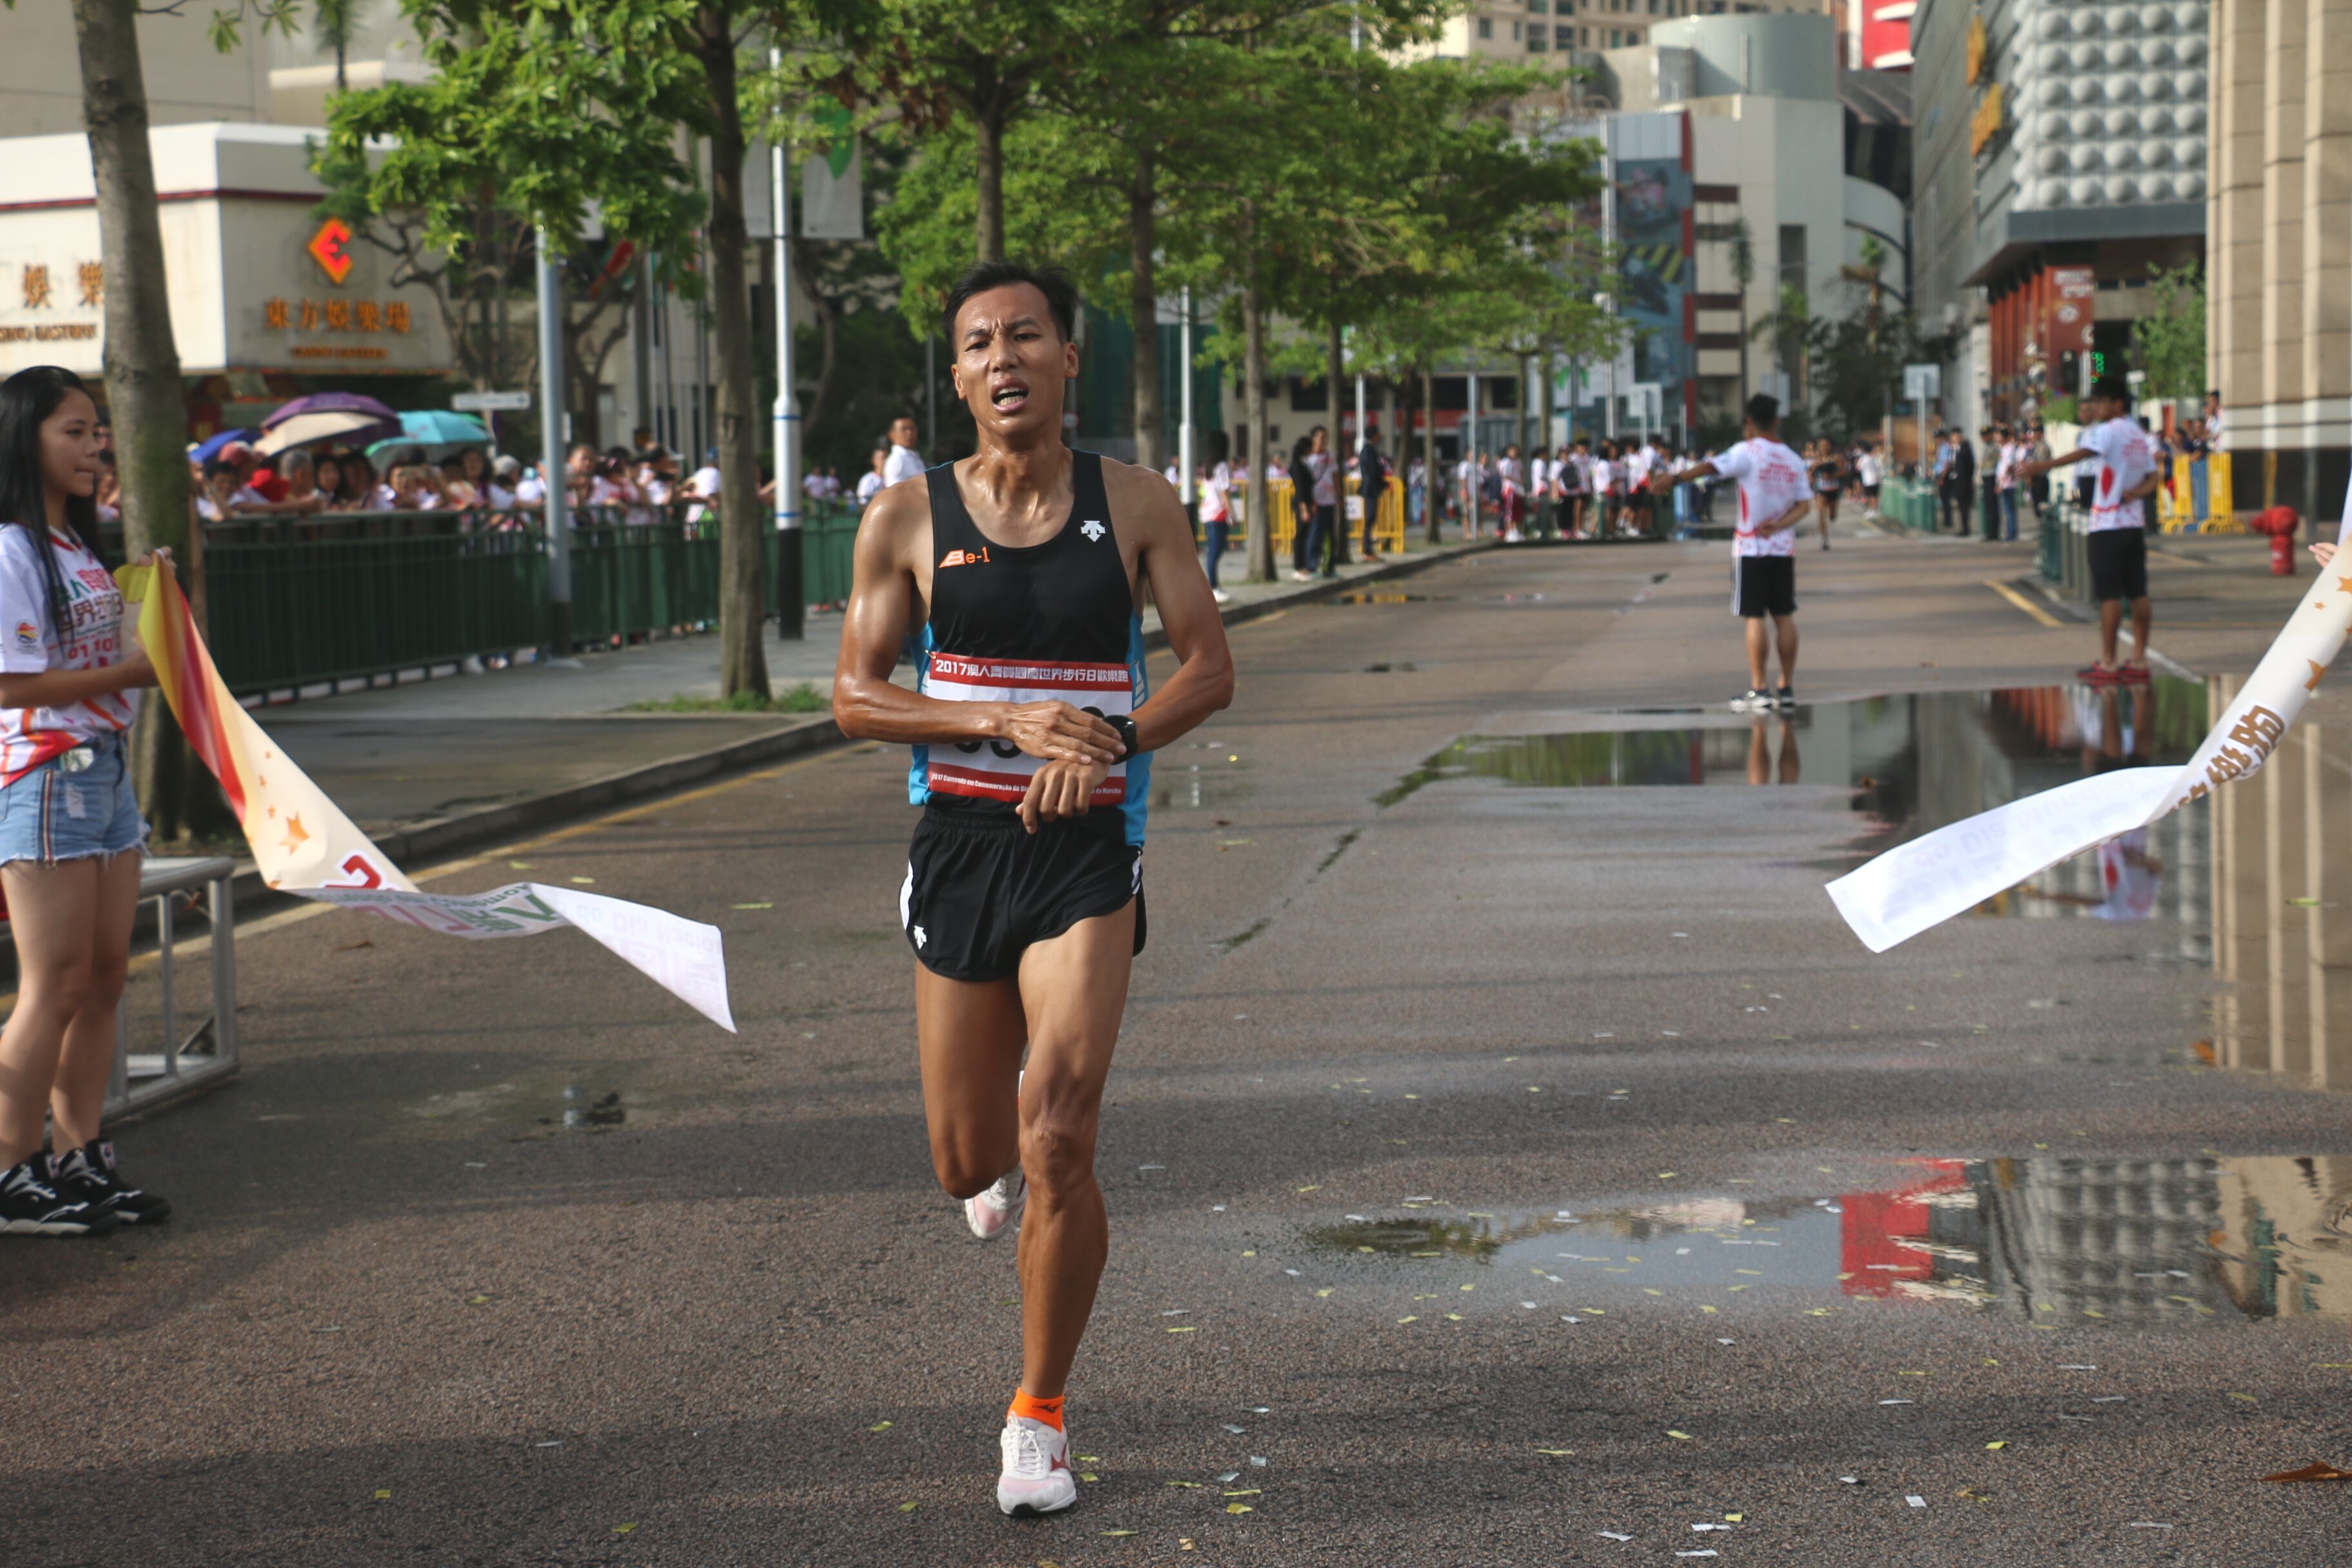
x: 32, y: 281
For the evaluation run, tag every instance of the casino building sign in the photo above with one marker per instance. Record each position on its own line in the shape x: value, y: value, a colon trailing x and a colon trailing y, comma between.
x: 257, y: 281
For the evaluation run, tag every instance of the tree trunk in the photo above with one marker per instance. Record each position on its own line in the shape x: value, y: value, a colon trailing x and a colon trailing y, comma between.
x: 1341, y: 452
x: 142, y: 370
x: 988, y: 156
x: 1143, y: 310
x: 1260, y: 504
x: 1433, y: 488
x: 742, y: 524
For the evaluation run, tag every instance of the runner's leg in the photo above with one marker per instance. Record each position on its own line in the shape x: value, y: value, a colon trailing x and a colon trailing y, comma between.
x: 1759, y: 651
x: 1786, y: 625
x: 2111, y: 620
x: 970, y: 1035
x: 1074, y: 988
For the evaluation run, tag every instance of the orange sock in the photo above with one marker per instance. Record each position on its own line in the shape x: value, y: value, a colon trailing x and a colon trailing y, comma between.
x: 1029, y: 1405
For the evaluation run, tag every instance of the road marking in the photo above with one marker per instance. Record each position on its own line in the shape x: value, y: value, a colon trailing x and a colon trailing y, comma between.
x: 2022, y: 602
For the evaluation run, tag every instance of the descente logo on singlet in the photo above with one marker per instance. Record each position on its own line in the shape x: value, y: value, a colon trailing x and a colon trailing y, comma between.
x: 965, y: 557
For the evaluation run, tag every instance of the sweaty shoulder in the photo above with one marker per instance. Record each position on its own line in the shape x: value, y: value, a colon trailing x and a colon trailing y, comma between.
x: 900, y: 515
x: 1142, y: 502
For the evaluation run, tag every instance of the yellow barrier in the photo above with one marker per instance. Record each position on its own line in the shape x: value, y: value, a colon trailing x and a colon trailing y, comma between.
x: 2176, y: 500
x: 1388, y: 517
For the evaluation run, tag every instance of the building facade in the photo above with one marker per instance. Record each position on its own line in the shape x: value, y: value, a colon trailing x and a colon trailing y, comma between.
x: 2061, y: 161
x: 2279, y: 276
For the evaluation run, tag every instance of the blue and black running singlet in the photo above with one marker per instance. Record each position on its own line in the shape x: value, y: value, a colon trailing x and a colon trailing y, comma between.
x: 1050, y: 622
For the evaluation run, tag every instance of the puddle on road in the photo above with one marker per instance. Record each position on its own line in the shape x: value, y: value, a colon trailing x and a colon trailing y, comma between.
x: 582, y: 1112
x: 2162, y: 1243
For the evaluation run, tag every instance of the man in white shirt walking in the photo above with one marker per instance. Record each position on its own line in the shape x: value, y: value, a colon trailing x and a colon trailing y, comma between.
x: 905, y: 462
x: 2118, y: 537
x: 1774, y: 496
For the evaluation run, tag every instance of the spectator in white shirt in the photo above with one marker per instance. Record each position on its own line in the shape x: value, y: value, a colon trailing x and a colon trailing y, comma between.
x: 904, y: 462
x: 869, y: 484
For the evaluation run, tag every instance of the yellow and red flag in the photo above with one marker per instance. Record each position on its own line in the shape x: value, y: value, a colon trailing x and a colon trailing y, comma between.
x: 303, y: 844
x: 300, y: 839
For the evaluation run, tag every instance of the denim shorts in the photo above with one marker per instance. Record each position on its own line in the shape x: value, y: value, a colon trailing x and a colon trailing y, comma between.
x: 51, y: 815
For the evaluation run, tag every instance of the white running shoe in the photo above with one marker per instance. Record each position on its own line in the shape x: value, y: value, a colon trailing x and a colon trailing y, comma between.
x: 993, y: 1212
x: 1036, y: 1476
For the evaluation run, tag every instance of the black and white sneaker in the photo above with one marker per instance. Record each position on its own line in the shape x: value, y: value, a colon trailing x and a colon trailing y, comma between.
x: 1752, y: 701
x: 29, y: 1206
x: 91, y: 1174
x: 1785, y: 700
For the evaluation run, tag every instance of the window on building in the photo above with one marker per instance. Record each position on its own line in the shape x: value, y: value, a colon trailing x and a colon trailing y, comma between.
x: 1515, y: 28
x: 1793, y: 255
x: 1536, y: 39
x: 1564, y: 37
x: 1538, y: 7
x: 1584, y: 36
x: 1485, y: 28
x: 1307, y: 396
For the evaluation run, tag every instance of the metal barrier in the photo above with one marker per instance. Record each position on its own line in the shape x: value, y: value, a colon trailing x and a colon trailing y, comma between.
x: 298, y: 600
x: 207, y: 1052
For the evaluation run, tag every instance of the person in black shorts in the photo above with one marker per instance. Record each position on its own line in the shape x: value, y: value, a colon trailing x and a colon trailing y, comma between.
x: 1015, y: 575
x: 2123, y: 478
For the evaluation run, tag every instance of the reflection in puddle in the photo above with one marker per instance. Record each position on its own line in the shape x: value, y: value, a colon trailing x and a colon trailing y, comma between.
x: 1915, y: 763
x: 606, y: 1110
x: 2281, y: 910
x: 2156, y: 1242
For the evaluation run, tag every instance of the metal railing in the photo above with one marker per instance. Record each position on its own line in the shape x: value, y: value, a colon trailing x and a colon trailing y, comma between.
x: 207, y: 1052
x: 293, y: 601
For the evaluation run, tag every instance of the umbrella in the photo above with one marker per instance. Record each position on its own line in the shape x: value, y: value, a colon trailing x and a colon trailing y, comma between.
x: 441, y: 428
x: 353, y: 427
x: 210, y: 447
x: 330, y: 403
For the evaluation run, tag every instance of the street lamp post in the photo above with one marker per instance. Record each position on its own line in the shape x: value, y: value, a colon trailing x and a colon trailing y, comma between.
x: 1184, y: 421
x: 550, y: 445
x: 789, y: 595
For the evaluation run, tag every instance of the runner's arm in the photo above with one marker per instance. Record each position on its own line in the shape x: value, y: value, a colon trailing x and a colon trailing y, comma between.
x: 1170, y: 564
x: 882, y: 609
x: 1689, y: 476
x: 1788, y: 519
x: 1167, y: 562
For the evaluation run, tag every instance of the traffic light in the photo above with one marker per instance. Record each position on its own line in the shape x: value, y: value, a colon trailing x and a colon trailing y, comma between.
x: 2098, y: 365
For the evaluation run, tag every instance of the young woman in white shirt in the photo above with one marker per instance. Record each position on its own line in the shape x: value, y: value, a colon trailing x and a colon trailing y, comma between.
x: 69, y: 826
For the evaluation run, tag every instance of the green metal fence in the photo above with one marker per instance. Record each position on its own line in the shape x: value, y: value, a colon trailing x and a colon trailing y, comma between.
x: 288, y: 611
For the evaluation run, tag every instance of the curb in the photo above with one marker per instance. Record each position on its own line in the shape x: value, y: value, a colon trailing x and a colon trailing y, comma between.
x: 447, y: 836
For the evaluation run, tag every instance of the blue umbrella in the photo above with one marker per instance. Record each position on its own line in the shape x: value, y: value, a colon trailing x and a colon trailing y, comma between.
x: 210, y: 447
x: 443, y: 427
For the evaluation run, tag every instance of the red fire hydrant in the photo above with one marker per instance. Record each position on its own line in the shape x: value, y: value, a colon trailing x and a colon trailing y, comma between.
x: 2280, y: 522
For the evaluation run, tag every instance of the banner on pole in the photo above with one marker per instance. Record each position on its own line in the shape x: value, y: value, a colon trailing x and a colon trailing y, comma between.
x: 303, y: 844
x: 1951, y: 870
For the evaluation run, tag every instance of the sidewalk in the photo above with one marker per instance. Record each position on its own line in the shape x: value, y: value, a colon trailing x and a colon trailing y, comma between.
x: 432, y: 766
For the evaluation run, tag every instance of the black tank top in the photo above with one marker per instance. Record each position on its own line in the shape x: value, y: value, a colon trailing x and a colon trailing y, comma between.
x: 1028, y: 623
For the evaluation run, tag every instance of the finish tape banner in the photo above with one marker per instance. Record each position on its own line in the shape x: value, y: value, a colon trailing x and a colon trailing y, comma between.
x: 303, y: 844
x: 1951, y: 870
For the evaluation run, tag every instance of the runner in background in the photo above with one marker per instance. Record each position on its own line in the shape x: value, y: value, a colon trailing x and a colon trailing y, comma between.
x: 1774, y: 496
x: 1513, y: 493
x: 1217, y: 520
x: 2126, y: 474
x: 1829, y: 477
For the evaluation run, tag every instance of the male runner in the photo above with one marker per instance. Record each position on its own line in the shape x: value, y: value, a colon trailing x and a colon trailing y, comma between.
x: 1774, y: 497
x: 2118, y: 541
x: 1013, y: 576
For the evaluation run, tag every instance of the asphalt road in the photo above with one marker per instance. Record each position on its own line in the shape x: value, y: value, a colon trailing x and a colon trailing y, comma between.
x: 1495, y: 1169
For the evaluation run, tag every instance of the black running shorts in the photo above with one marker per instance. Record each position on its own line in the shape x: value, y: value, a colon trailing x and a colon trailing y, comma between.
x: 1764, y: 585
x: 2118, y: 564
x: 981, y: 888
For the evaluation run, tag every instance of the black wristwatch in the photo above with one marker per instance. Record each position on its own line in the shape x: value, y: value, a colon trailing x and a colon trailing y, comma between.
x: 1126, y: 728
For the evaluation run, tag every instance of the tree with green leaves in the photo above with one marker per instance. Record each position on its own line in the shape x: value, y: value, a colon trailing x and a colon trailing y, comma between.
x: 548, y: 108
x: 2168, y: 338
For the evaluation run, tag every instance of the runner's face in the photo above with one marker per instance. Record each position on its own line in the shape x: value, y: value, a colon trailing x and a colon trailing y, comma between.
x: 70, y: 447
x: 1010, y: 362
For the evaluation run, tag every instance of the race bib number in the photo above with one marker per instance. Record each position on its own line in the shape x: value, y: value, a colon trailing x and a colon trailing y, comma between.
x: 999, y: 769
